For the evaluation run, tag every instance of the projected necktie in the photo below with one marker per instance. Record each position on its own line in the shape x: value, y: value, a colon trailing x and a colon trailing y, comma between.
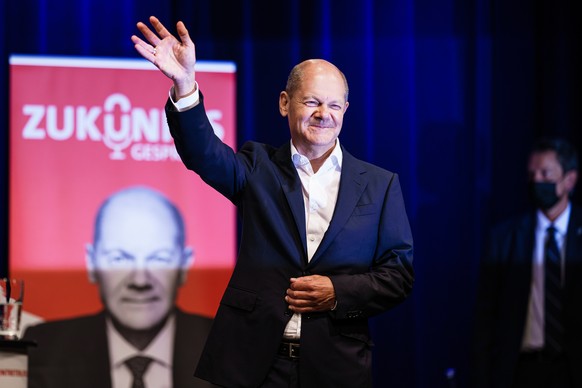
x: 554, y: 329
x: 138, y: 366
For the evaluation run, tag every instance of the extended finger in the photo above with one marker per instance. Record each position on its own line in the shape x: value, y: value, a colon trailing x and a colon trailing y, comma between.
x: 159, y: 27
x: 151, y: 37
x: 183, y: 34
x: 145, y: 49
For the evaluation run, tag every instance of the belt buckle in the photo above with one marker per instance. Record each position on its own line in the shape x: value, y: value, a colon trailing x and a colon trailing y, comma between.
x: 293, y: 349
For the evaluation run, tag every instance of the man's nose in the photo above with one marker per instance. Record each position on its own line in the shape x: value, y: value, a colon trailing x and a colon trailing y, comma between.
x: 140, y: 276
x: 323, y: 111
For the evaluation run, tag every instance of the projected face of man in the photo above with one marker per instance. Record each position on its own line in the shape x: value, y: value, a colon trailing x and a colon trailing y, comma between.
x: 138, y: 259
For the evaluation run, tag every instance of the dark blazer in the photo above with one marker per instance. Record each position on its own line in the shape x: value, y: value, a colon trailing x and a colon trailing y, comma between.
x: 73, y: 353
x: 503, y: 296
x: 366, y: 251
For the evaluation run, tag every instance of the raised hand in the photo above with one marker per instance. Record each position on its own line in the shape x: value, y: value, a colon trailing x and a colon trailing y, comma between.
x: 175, y: 58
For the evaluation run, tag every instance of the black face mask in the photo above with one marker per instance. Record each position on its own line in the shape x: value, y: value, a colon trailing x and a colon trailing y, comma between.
x: 543, y: 194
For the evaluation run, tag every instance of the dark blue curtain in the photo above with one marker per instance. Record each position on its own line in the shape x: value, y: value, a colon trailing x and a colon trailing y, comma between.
x: 448, y: 93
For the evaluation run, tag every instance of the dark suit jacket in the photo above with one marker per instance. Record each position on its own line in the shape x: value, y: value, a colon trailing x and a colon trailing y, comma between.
x: 73, y: 353
x: 502, y: 301
x: 367, y: 253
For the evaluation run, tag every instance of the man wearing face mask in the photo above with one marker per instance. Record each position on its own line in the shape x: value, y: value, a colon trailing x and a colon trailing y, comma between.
x: 529, y: 302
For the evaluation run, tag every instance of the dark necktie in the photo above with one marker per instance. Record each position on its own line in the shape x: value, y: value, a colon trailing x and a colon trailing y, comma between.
x: 138, y: 366
x: 553, y: 326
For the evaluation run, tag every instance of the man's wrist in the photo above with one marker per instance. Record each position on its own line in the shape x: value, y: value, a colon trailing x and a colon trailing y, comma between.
x: 185, y: 102
x: 185, y: 88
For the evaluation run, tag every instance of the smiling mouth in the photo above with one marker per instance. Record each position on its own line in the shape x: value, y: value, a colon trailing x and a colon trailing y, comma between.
x: 318, y: 126
x: 139, y: 301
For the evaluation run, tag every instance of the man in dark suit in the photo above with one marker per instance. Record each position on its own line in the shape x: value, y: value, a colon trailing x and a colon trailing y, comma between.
x: 528, y: 315
x: 325, y: 240
x: 139, y: 260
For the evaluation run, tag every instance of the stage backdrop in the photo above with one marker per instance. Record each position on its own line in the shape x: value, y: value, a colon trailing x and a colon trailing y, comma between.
x: 84, y: 128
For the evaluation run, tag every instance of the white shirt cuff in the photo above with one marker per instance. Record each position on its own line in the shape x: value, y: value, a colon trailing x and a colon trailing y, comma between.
x: 187, y: 102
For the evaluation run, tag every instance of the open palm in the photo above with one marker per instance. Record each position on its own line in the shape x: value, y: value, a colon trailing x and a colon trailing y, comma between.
x: 175, y: 58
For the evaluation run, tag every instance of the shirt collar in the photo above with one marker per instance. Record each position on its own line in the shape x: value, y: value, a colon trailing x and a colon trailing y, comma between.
x: 560, y: 223
x: 160, y: 349
x: 333, y: 160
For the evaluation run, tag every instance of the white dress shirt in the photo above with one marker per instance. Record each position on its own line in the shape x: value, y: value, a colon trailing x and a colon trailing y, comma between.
x: 160, y: 350
x: 320, y: 191
x: 533, y: 337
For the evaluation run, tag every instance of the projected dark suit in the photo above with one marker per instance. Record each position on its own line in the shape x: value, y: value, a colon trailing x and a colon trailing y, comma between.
x: 74, y: 353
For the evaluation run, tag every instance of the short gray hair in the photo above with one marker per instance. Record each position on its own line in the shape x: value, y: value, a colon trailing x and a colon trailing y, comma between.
x: 297, y: 75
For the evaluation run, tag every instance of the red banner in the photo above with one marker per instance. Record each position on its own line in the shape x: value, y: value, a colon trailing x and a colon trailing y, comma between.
x: 84, y: 128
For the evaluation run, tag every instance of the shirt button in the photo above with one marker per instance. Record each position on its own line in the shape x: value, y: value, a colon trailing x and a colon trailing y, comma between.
x: 311, y: 238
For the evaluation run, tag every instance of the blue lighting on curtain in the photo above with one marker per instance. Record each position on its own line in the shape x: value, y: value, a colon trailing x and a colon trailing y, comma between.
x: 86, y: 25
x: 248, y: 76
x: 325, y: 19
x: 368, y: 60
x: 43, y: 26
x: 294, y: 38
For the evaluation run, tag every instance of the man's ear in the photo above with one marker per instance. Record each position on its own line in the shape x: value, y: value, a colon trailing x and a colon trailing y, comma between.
x: 284, y: 103
x: 90, y: 262
x: 185, y: 264
x: 570, y: 179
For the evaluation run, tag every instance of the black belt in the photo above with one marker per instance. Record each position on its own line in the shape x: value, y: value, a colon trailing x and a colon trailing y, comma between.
x: 289, y: 349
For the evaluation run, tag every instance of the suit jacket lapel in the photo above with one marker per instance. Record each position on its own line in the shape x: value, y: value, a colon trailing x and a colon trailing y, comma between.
x: 574, y: 243
x: 352, y: 185
x: 291, y: 185
x: 525, y: 241
x: 95, y: 359
x: 178, y: 367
